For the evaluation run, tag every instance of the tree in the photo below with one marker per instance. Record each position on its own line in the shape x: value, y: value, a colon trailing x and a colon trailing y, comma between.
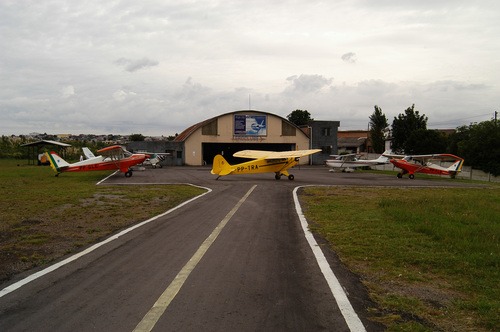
x: 299, y: 117
x: 404, y: 125
x: 425, y: 141
x: 136, y: 137
x: 478, y: 145
x: 378, y: 122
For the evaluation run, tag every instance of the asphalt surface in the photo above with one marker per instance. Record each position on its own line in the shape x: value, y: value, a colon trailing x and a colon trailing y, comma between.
x: 257, y: 273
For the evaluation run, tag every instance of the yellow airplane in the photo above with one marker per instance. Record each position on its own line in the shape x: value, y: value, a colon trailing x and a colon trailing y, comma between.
x: 264, y: 161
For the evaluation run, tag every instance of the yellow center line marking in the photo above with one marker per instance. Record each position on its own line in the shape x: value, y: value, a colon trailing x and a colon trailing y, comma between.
x: 154, y: 314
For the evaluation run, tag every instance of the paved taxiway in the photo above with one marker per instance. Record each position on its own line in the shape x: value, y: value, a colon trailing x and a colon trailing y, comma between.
x: 258, y: 274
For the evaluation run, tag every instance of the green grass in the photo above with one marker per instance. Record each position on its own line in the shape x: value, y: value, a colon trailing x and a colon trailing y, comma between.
x: 430, y: 254
x: 43, y: 217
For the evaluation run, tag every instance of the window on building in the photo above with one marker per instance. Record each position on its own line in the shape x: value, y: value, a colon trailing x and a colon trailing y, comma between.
x: 327, y: 131
x: 210, y: 128
x: 287, y: 129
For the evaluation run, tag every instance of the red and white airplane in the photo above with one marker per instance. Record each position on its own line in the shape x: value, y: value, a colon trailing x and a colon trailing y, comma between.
x: 426, y: 163
x: 111, y: 158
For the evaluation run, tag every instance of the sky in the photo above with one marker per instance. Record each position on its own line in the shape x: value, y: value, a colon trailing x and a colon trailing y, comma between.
x: 156, y: 67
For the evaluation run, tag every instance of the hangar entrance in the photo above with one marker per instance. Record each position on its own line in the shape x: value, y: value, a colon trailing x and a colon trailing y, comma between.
x: 210, y: 150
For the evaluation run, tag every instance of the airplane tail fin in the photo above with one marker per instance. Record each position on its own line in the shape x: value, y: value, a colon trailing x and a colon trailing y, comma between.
x: 220, y: 166
x: 56, y: 162
x: 456, y: 167
x: 88, y: 154
x: 384, y: 159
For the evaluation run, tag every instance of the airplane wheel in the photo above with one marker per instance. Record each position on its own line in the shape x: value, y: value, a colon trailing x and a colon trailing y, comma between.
x: 160, y: 166
x: 411, y: 176
x: 277, y: 176
x: 400, y: 175
x: 128, y: 174
x: 291, y: 177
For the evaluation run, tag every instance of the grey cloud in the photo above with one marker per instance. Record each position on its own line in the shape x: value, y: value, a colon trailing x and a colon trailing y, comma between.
x: 457, y: 86
x: 307, y: 83
x: 349, y: 57
x: 135, y: 65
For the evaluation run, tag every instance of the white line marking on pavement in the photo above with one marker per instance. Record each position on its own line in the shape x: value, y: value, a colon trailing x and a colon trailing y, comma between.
x: 54, y: 267
x: 154, y: 314
x: 107, y: 177
x: 350, y: 316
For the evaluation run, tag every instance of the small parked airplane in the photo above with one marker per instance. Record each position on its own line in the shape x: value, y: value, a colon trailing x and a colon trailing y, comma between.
x: 113, y: 157
x: 412, y: 164
x: 155, y: 159
x: 264, y: 162
x: 348, y: 162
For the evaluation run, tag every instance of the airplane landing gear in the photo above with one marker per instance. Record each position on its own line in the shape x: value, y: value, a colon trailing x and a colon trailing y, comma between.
x: 278, y: 176
x: 400, y: 175
x: 128, y: 173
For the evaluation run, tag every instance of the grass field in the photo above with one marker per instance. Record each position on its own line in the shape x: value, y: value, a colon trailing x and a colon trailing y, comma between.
x: 43, y: 217
x: 430, y: 258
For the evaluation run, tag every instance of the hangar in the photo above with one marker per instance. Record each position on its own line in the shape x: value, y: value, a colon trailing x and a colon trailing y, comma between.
x: 245, y: 130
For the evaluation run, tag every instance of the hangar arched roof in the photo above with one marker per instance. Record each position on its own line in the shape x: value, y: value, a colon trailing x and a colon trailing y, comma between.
x: 190, y: 130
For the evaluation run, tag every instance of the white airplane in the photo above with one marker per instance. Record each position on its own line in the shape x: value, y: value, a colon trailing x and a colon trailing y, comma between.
x: 155, y: 159
x: 349, y: 162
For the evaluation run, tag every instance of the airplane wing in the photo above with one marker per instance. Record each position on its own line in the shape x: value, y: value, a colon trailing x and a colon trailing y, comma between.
x: 424, y: 158
x: 114, y: 152
x: 110, y: 150
x: 393, y: 156
x: 344, y: 157
x: 260, y: 154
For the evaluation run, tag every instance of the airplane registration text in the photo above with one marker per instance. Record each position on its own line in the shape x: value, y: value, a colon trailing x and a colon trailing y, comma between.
x: 247, y: 168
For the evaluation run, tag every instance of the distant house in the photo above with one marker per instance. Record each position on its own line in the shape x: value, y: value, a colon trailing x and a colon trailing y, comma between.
x: 354, y: 141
